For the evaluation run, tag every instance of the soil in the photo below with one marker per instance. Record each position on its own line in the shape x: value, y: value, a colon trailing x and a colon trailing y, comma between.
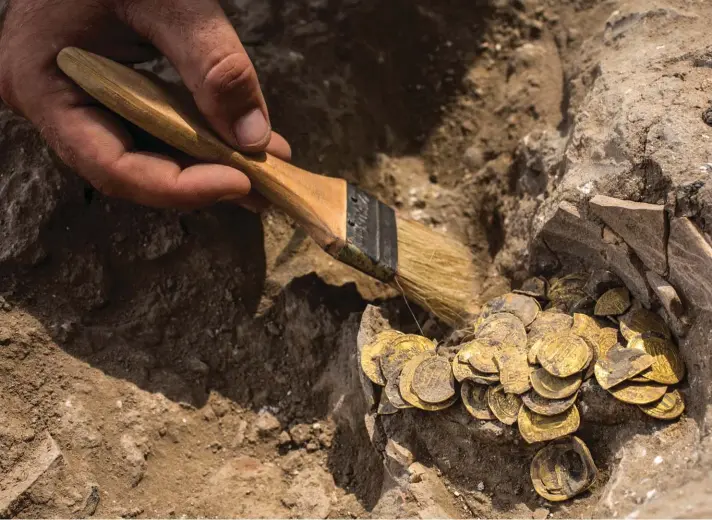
x: 167, y: 364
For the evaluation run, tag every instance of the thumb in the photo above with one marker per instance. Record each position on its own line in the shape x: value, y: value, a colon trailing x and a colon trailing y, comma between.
x: 198, y: 39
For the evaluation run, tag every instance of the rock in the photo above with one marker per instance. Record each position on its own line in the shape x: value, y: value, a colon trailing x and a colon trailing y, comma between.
x: 641, y: 225
x: 92, y: 501
x: 266, y: 424
x: 621, y: 260
x: 474, y: 157
x: 673, y: 310
x: 399, y: 454
x: 309, y: 495
x: 597, y: 406
x: 197, y: 366
x: 690, y: 259
x: 284, y: 439
x: 433, y: 498
x: 569, y: 233
x: 300, y: 433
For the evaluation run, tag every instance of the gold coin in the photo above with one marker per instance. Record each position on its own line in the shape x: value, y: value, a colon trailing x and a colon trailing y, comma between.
x: 613, y: 302
x: 433, y: 381
x: 392, y: 391
x: 562, y: 469
x: 523, y: 307
x: 462, y: 370
x: 502, y: 328
x: 552, y: 387
x: 668, y: 367
x: 544, y: 406
x: 566, y: 284
x: 371, y: 353
x: 400, y: 350
x: 620, y: 364
x: 668, y: 408
x: 385, y: 407
x: 540, y: 428
x: 505, y: 407
x: 607, y: 339
x: 513, y: 369
x: 474, y: 397
x: 406, y: 386
x: 588, y: 329
x: 480, y: 355
x: 637, y: 322
x: 546, y: 322
x: 564, y: 354
x: 638, y: 393
x: 534, y: 287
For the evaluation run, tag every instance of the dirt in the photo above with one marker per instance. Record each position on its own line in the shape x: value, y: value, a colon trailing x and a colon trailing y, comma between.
x: 161, y: 363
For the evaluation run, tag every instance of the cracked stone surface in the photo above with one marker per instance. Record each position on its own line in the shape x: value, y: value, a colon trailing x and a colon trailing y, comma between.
x: 690, y: 258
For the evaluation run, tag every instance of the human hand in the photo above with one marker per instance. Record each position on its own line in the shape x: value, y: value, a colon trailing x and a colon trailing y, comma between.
x: 199, y: 41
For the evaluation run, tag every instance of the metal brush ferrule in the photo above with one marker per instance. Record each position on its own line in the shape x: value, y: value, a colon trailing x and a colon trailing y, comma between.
x: 371, y: 236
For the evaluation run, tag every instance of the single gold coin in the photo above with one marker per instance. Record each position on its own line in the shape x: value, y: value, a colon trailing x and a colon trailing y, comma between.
x: 502, y: 328
x: 371, y: 353
x: 638, y: 393
x: 552, y: 387
x: 588, y: 329
x: 405, y: 386
x: 620, y: 364
x: 384, y: 405
x: 474, y: 397
x: 462, y: 369
x: 668, y: 367
x: 563, y: 469
x: 637, y: 322
x: 540, y: 428
x: 613, y: 302
x: 534, y: 287
x: 559, y: 287
x: 564, y: 354
x: 513, y: 369
x: 544, y: 406
x: 668, y: 408
x: 433, y: 381
x: 505, y: 407
x: 607, y: 339
x: 523, y: 307
x: 392, y: 391
x: 481, y: 356
x: 400, y: 350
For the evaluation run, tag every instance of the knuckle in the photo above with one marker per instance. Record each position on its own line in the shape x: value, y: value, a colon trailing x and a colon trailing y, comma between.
x: 234, y: 74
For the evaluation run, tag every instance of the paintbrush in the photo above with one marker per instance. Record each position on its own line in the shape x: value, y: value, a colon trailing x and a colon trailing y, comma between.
x: 430, y: 268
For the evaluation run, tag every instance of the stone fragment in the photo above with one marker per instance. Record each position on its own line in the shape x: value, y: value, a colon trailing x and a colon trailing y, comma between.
x: 666, y: 293
x: 641, y: 225
x: 622, y: 261
x: 690, y: 258
x: 266, y: 424
x: 568, y: 232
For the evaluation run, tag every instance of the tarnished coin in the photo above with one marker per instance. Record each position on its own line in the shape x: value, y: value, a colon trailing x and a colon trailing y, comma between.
x: 433, y: 381
x: 539, y: 428
x: 613, y: 302
x: 668, y: 367
x: 400, y: 350
x: 607, y: 339
x: 638, y: 393
x: 474, y: 397
x: 513, y: 369
x: 668, y: 408
x: 385, y: 407
x: 546, y: 322
x: 620, y: 364
x: 533, y: 352
x: 523, y: 307
x: 371, y: 353
x: 559, y: 287
x: 543, y: 406
x: 552, y: 387
x: 392, y: 391
x: 637, y: 322
x: 588, y: 329
x: 563, y: 354
x: 505, y: 407
x: 534, y: 287
x: 563, y: 469
x: 481, y: 356
x: 502, y: 328
x: 406, y: 385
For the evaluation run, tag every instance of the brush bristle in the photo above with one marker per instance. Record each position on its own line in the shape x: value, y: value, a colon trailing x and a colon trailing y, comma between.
x: 436, y: 272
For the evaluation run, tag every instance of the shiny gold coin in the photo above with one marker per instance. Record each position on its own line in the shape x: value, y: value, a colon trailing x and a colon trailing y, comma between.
x: 613, y: 302
x: 513, y: 369
x: 505, y: 407
x: 552, y: 387
x: 474, y: 397
x: 400, y: 350
x: 534, y: 287
x: 433, y: 381
x: 638, y: 393
x: 462, y: 369
x: 405, y: 386
x: 502, y: 328
x: 620, y: 364
x: 523, y: 307
x: 563, y: 469
x: 668, y: 367
x: 588, y: 329
x: 564, y: 354
x: 385, y: 407
x: 637, y: 322
x: 533, y: 352
x: 540, y: 428
x: 668, y: 408
x: 543, y: 406
x: 480, y: 355
x: 546, y: 322
x: 371, y: 353
x: 392, y: 391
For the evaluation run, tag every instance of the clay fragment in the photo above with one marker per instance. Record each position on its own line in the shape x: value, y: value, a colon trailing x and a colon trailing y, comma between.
x: 690, y: 258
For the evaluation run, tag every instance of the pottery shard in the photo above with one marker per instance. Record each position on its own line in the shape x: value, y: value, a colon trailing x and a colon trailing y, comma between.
x: 641, y: 225
x: 666, y: 293
x: 690, y: 259
x: 622, y: 261
x: 568, y: 232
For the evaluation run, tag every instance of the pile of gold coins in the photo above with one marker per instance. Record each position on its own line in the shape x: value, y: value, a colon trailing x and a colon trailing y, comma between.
x: 523, y: 365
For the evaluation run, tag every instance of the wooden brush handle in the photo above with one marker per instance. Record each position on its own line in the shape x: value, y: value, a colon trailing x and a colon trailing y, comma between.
x: 316, y: 202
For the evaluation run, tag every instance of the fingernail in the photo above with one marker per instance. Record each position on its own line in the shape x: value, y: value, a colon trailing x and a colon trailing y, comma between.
x: 251, y: 129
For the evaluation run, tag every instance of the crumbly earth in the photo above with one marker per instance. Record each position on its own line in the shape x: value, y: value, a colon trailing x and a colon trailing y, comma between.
x: 161, y: 363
